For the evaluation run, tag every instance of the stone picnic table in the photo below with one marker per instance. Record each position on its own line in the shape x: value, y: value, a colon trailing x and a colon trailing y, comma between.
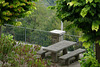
x: 57, y: 47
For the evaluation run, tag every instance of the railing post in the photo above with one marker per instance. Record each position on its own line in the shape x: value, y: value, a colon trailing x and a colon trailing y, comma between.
x: 25, y: 34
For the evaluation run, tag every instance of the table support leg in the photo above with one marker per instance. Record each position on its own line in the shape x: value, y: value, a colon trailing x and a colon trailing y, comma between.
x: 77, y: 57
x: 64, y: 51
x: 67, y: 62
x: 43, y: 55
x: 54, y: 57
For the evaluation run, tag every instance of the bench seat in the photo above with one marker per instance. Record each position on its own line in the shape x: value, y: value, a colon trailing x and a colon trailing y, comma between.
x: 42, y: 53
x: 74, y: 53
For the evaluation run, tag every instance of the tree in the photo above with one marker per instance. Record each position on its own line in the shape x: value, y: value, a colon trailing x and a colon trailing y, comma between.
x: 10, y: 10
x: 42, y: 18
x: 85, y: 15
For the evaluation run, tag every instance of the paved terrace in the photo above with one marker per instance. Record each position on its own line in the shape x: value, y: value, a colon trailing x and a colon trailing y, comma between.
x: 75, y: 64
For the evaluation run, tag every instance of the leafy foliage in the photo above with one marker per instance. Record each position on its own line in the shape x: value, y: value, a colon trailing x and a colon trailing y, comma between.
x: 6, y: 47
x: 89, y: 59
x: 40, y: 19
x: 14, y: 54
x: 13, y: 9
x: 25, y: 55
x: 84, y: 14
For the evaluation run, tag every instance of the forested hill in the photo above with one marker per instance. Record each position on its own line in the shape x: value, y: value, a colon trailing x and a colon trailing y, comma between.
x: 48, y: 2
x: 51, y: 2
x: 42, y: 18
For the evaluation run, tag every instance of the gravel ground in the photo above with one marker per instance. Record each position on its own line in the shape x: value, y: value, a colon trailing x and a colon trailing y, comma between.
x: 75, y: 64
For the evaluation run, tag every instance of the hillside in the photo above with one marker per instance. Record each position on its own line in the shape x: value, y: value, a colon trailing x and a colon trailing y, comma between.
x: 48, y: 2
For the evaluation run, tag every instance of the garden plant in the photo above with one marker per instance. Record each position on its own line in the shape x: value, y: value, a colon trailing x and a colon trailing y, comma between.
x: 14, y: 54
x: 89, y: 59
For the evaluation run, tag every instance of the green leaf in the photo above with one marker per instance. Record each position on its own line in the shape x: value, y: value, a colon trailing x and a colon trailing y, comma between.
x: 84, y: 11
x: 99, y: 15
x: 91, y: 12
x: 65, y: 15
x: 2, y: 1
x: 18, y: 23
x: 84, y: 38
x: 4, y: 13
x: 98, y: 42
x: 95, y: 25
x: 75, y: 3
x: 6, y: 18
x: 87, y: 1
x: 51, y: 7
x: 5, y: 4
x: 94, y: 4
x: 86, y: 44
x: 97, y: 1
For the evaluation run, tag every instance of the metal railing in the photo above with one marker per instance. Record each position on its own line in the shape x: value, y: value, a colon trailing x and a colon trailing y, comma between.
x: 33, y: 36
x: 28, y: 35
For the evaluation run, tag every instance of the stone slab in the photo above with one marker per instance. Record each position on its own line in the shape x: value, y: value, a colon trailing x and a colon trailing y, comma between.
x: 71, y: 54
x: 60, y: 32
x: 59, y: 46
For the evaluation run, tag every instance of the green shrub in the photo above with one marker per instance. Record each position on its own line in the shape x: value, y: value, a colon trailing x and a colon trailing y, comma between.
x: 6, y: 48
x: 25, y: 55
x: 19, y: 55
x: 89, y: 59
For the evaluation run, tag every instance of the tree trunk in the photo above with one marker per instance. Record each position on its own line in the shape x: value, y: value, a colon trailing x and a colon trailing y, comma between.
x: 0, y: 31
x: 97, y: 52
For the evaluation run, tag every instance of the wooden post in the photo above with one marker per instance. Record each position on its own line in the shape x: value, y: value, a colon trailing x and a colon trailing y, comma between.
x: 97, y: 52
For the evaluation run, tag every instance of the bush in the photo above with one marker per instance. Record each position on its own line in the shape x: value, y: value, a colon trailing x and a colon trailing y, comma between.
x: 6, y: 48
x: 19, y: 55
x: 25, y: 56
x: 89, y: 59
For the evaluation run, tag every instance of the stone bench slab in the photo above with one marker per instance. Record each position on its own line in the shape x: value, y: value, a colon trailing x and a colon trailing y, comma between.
x: 74, y: 53
x: 71, y: 54
x: 42, y: 53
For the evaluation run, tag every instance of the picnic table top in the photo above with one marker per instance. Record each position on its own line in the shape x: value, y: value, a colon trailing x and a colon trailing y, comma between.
x: 59, y: 46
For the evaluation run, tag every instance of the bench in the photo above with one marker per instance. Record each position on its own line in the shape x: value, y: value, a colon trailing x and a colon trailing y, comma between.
x: 74, y: 53
x: 42, y: 53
